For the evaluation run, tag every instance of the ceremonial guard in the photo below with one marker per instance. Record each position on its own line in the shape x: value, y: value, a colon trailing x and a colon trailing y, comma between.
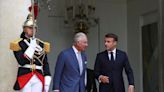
x: 31, y: 55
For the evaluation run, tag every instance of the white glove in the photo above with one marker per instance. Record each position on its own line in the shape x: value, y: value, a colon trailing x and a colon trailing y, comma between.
x: 47, y: 83
x: 31, y: 48
x: 29, y: 52
x: 35, y: 45
x: 33, y: 42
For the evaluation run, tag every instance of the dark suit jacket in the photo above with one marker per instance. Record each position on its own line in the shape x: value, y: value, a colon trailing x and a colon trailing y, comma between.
x: 67, y: 76
x: 91, y: 82
x: 114, y: 70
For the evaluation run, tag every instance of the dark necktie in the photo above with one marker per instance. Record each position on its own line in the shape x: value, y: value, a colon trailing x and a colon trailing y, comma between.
x: 111, y: 56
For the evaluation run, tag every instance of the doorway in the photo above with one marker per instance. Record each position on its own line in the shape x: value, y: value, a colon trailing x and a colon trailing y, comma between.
x: 150, y: 57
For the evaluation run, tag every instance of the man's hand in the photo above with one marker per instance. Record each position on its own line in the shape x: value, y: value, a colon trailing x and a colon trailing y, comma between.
x: 47, y: 83
x: 104, y: 79
x: 31, y: 48
x: 33, y: 42
x: 131, y: 88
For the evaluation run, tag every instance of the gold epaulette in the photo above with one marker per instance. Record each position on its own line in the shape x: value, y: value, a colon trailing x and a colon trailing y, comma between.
x: 46, y: 46
x: 15, y: 45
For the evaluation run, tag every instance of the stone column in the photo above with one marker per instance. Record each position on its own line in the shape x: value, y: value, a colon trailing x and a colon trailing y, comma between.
x: 12, y: 15
x: 161, y: 44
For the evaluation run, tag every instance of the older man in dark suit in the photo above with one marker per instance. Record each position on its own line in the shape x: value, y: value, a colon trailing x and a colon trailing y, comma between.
x: 109, y: 67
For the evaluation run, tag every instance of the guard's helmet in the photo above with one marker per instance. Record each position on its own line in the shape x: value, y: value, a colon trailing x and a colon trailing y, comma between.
x: 29, y: 21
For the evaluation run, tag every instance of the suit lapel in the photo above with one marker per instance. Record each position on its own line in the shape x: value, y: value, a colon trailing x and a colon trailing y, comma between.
x: 76, y: 65
x: 84, y: 61
x: 106, y: 56
x: 76, y: 61
x: 117, y: 56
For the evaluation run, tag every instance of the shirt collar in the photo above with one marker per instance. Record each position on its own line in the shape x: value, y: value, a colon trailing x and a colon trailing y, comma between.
x: 114, y: 51
x: 75, y: 50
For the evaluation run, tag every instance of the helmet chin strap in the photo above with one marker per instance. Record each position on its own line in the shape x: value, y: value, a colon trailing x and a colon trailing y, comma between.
x: 27, y: 36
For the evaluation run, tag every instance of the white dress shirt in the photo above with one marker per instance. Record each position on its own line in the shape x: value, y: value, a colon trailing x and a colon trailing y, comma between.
x: 79, y: 58
x: 114, y: 54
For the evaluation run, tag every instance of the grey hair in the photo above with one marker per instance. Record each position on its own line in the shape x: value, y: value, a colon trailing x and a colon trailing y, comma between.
x: 78, y: 36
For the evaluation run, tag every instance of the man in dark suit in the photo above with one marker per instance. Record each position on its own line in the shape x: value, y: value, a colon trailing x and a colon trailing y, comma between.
x: 70, y: 67
x: 91, y: 82
x: 109, y: 67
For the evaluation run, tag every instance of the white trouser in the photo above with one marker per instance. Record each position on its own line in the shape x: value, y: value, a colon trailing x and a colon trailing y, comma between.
x: 33, y: 85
